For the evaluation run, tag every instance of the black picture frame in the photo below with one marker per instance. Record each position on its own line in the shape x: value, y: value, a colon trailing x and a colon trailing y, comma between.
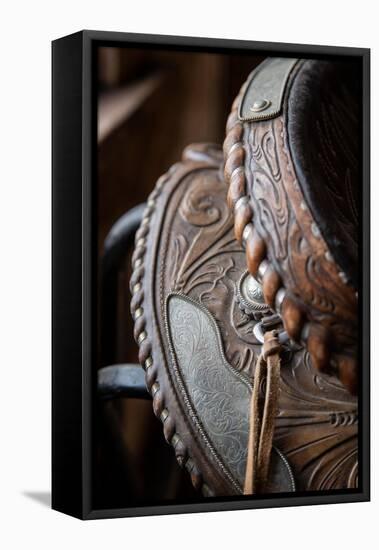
x: 74, y: 272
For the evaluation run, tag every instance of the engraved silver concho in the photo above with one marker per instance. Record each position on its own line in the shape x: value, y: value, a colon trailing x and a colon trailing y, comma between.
x: 250, y: 296
x: 252, y: 292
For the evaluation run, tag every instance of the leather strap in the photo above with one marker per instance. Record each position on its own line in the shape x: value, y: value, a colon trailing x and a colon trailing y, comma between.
x: 262, y: 415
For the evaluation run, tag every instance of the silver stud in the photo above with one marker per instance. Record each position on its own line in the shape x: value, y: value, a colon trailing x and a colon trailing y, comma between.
x: 137, y: 263
x: 138, y: 313
x: 137, y: 287
x: 235, y: 146
x: 154, y: 388
x: 239, y: 169
x: 245, y: 233
x: 141, y: 337
x: 260, y: 105
x: 262, y: 270
x: 164, y: 415
x: 148, y: 362
x: 315, y: 230
x: 241, y: 201
x: 280, y: 295
x: 175, y: 440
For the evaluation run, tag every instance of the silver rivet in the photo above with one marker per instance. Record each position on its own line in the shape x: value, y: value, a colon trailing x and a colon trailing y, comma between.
x: 164, y: 415
x: 245, y: 233
x: 280, y: 295
x: 148, y: 362
x: 137, y: 263
x: 305, y: 332
x: 315, y: 230
x: 141, y: 337
x: 262, y: 270
x: 175, y: 440
x: 154, y: 388
x: 236, y: 171
x: 241, y: 201
x: 235, y: 146
x: 138, y: 313
x: 260, y: 105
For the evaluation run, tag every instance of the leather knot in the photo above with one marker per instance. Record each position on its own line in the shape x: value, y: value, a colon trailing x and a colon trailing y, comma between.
x: 271, y: 345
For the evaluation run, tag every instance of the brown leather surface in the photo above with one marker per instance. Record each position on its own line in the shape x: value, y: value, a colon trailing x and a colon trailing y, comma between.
x: 323, y: 113
x: 281, y: 190
x: 186, y: 247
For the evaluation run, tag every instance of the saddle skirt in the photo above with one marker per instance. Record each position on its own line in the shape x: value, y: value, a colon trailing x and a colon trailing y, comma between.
x: 198, y: 322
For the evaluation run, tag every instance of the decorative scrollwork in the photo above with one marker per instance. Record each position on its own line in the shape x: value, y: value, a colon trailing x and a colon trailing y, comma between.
x: 315, y: 430
x: 317, y: 305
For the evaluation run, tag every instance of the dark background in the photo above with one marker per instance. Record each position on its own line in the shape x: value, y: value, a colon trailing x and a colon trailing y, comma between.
x: 151, y: 105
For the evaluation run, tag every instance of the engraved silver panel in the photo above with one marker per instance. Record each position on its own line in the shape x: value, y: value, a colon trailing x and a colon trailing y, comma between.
x: 217, y: 396
x: 267, y: 86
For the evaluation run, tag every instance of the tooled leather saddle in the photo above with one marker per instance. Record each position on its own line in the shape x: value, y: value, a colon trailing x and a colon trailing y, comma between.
x: 262, y: 238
